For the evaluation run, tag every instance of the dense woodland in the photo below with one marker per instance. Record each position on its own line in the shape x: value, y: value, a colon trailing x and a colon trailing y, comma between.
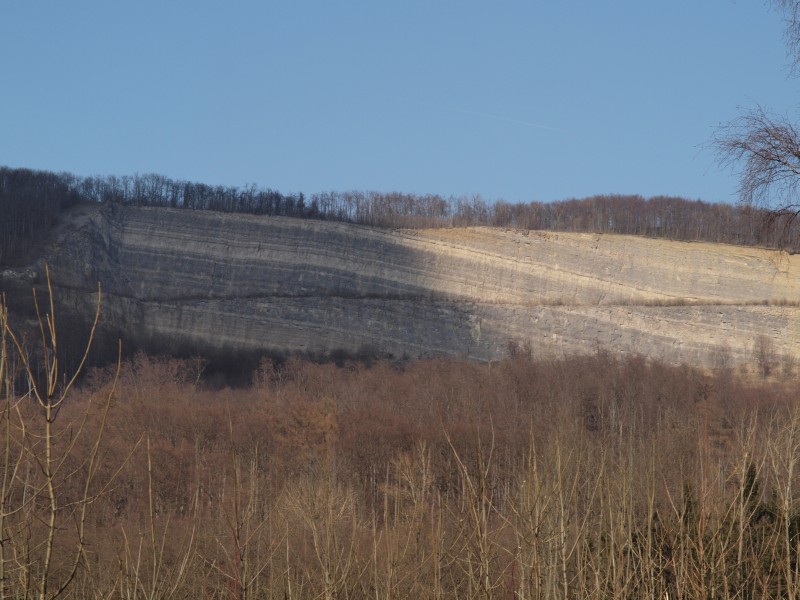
x: 582, y: 477
x: 31, y: 201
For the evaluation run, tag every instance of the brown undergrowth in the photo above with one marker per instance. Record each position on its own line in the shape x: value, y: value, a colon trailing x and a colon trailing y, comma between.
x: 583, y: 477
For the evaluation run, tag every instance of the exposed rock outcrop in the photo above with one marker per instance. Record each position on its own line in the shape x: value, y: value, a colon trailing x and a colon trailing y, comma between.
x: 223, y: 282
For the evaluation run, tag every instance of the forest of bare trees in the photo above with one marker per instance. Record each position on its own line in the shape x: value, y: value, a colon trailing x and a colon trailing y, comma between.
x: 529, y: 478
x: 31, y: 201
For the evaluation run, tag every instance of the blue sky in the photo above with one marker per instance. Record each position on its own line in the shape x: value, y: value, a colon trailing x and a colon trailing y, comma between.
x: 510, y: 100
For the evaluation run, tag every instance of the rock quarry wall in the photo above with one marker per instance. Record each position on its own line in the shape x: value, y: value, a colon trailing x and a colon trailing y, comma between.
x: 222, y: 282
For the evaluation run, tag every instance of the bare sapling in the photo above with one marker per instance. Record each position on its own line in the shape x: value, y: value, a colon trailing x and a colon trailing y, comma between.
x: 50, y: 473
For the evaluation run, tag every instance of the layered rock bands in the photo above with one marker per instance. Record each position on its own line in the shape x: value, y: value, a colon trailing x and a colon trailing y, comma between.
x: 225, y: 282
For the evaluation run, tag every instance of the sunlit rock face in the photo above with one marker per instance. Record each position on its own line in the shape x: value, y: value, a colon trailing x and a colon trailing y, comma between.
x: 212, y: 282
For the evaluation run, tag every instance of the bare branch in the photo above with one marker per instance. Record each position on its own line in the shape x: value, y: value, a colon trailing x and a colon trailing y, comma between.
x: 791, y: 33
x: 765, y: 148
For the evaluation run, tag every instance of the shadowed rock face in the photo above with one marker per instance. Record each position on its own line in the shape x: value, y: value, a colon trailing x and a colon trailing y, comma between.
x: 224, y: 282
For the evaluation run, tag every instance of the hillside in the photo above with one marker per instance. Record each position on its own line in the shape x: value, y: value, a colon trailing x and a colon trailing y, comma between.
x: 198, y: 281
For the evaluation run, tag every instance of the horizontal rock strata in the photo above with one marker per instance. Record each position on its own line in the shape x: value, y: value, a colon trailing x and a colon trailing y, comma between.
x: 225, y: 281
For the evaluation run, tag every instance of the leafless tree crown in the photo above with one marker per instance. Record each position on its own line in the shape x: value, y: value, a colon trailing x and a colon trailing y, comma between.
x: 791, y: 12
x: 765, y: 147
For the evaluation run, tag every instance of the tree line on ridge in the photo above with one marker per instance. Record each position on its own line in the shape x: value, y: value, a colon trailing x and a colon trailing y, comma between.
x: 31, y: 202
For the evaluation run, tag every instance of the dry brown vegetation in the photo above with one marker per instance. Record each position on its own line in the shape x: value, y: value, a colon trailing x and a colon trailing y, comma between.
x: 584, y: 477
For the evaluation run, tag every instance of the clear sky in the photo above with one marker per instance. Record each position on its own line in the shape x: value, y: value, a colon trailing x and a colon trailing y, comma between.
x: 514, y: 100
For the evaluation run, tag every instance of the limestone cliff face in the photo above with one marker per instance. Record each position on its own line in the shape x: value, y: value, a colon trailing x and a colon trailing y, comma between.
x: 223, y: 281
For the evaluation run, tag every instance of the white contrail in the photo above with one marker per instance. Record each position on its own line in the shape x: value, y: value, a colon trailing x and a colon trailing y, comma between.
x: 489, y: 116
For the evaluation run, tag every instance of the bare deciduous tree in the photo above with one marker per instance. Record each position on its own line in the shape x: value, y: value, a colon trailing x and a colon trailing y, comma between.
x: 765, y: 147
x: 764, y: 355
x: 768, y: 147
x: 791, y: 12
